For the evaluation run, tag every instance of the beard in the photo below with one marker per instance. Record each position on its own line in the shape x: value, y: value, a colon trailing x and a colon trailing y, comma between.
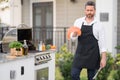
x: 90, y: 15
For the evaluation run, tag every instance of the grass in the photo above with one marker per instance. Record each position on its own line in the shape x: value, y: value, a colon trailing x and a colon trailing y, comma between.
x: 83, y: 75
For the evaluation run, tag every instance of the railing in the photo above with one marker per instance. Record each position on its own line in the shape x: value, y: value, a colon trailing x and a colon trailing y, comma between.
x: 49, y: 35
x: 56, y: 36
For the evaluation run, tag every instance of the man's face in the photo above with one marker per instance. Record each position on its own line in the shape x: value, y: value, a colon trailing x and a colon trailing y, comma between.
x: 89, y: 11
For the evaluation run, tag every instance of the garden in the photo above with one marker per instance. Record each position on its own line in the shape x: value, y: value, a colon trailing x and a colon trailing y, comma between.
x: 64, y: 61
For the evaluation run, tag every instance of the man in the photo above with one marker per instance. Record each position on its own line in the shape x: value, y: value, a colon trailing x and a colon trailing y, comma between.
x: 90, y: 44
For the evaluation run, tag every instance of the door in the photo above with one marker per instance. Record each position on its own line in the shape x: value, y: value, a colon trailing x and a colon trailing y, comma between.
x: 43, y: 22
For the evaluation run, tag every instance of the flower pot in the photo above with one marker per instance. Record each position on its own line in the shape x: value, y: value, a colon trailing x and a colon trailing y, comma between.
x: 16, y: 51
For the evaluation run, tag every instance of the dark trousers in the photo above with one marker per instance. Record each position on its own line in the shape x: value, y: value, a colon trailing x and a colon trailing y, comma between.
x: 75, y: 73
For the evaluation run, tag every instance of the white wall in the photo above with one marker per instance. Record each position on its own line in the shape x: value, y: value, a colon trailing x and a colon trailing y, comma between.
x: 5, y: 16
x: 5, y: 13
x: 109, y: 6
x: 26, y: 12
x: 15, y: 12
x: 12, y: 15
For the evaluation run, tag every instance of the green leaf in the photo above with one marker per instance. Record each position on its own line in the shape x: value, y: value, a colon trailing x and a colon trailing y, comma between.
x: 15, y: 44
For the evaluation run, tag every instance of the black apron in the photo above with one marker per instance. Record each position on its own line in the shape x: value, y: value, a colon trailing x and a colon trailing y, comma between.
x: 87, y: 54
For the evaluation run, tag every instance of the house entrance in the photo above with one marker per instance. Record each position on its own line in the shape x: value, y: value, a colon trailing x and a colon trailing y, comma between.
x: 43, y: 22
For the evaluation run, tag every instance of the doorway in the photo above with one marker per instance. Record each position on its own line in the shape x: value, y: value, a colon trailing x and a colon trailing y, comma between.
x: 43, y: 22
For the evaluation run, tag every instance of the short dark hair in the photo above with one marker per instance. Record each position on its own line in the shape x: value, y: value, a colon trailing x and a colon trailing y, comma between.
x: 90, y: 3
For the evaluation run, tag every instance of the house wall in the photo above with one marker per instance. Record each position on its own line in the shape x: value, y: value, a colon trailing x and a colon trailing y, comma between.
x: 110, y: 25
x: 5, y: 16
x: 67, y: 12
x: 26, y: 12
x: 118, y: 23
x: 11, y: 15
x: 15, y: 12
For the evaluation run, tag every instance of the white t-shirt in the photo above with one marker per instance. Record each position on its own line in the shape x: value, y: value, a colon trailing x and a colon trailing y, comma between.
x: 98, y: 31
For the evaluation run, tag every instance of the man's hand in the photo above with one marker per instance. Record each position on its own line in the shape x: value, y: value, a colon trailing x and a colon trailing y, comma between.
x: 103, y: 60
x: 74, y: 34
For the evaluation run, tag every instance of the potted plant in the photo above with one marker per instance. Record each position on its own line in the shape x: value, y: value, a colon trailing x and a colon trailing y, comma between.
x: 16, y: 48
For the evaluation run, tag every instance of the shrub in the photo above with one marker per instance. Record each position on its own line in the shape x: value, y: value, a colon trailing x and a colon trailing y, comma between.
x: 104, y: 73
x: 112, y: 69
x: 111, y: 75
x: 117, y: 68
x: 58, y: 74
x: 64, y: 61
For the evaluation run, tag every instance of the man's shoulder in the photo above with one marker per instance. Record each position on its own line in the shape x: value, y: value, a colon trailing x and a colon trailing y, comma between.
x: 79, y: 20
